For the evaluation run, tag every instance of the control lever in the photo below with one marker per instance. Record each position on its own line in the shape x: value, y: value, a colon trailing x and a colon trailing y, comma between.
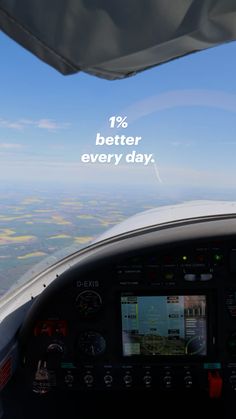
x: 42, y: 382
x: 215, y: 384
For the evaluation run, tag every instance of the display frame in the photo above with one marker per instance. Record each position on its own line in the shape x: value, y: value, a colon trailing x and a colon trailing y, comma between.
x: 211, y: 341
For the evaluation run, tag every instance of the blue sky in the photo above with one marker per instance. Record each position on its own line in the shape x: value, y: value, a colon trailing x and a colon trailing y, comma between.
x: 185, y: 112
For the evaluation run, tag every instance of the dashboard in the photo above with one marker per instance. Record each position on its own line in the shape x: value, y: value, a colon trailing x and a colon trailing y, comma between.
x: 149, y: 316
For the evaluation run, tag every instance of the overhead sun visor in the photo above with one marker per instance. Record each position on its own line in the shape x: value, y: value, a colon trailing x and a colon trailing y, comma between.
x: 114, y: 39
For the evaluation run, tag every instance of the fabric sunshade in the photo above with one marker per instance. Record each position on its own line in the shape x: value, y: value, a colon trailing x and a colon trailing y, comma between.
x: 114, y: 39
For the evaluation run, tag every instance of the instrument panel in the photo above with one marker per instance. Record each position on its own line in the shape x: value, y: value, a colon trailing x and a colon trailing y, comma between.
x: 161, y: 317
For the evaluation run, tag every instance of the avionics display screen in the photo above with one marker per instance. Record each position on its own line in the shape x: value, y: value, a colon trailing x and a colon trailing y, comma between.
x: 164, y: 325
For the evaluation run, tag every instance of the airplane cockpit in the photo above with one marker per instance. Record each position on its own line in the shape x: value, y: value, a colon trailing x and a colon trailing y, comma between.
x: 143, y: 318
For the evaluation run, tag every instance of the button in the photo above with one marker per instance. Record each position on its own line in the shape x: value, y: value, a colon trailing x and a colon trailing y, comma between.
x: 43, y: 328
x: 215, y: 384
x: 212, y: 365
x: 169, y: 276
x: 152, y: 274
x: 201, y: 258
x: 190, y: 277
x: 206, y: 277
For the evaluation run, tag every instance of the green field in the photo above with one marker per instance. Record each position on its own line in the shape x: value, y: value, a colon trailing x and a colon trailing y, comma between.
x: 34, y: 226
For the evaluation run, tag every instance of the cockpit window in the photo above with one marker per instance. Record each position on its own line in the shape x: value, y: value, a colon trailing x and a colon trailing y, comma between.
x: 79, y: 155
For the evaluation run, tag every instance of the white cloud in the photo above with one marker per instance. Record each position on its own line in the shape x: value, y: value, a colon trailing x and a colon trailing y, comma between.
x: 21, y: 124
x: 4, y: 123
x: 10, y: 146
x: 49, y: 124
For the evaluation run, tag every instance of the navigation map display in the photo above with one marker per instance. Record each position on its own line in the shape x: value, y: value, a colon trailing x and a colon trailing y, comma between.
x: 164, y: 325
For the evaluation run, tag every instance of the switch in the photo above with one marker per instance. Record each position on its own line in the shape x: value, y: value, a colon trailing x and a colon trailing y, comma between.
x: 167, y: 380
x: 147, y: 379
x: 108, y: 379
x: 188, y: 381
x: 88, y: 379
x: 128, y: 380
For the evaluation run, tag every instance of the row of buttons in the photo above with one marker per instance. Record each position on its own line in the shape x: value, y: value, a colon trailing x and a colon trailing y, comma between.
x: 201, y: 277
x: 164, y: 275
x: 167, y: 380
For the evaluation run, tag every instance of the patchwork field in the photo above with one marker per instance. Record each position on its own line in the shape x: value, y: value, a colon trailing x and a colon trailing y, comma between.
x: 35, y: 226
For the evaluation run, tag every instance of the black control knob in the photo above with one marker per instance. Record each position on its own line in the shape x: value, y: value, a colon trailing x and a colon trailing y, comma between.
x: 128, y: 379
x: 167, y: 381
x: 108, y: 379
x: 147, y: 379
x: 55, y: 348
x: 88, y: 379
x: 188, y: 381
x: 69, y: 379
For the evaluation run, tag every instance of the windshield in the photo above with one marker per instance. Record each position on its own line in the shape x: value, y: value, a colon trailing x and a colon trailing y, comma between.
x: 80, y: 154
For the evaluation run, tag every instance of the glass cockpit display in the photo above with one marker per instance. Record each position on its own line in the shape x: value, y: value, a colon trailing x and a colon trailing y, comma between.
x: 164, y: 325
